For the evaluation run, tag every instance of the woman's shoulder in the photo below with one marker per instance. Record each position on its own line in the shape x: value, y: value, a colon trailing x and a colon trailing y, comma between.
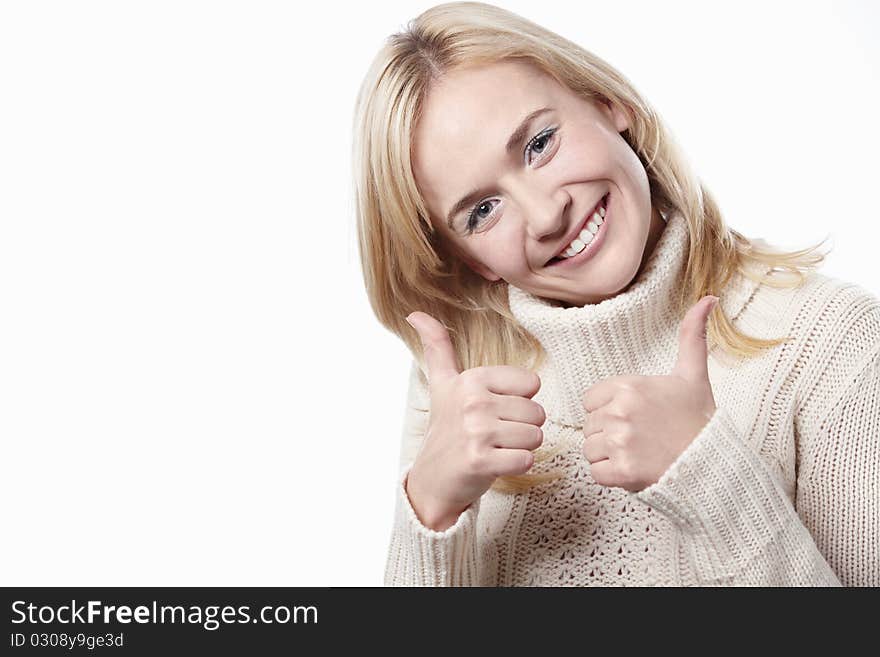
x: 816, y: 305
x: 828, y: 305
x: 843, y: 319
x: 833, y: 327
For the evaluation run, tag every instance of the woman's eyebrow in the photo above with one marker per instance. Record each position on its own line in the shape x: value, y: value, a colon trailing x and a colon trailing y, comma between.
x: 516, y: 138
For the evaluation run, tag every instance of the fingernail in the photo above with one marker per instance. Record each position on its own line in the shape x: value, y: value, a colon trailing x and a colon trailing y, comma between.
x: 407, y: 318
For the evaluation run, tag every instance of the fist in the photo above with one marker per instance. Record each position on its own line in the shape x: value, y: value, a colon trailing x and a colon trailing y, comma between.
x: 483, y: 424
x: 637, y: 426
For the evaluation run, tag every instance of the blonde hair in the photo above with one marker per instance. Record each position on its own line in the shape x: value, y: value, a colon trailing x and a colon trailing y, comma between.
x: 407, y: 267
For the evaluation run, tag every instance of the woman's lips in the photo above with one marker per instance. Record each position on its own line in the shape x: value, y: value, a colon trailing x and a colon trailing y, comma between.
x: 558, y: 257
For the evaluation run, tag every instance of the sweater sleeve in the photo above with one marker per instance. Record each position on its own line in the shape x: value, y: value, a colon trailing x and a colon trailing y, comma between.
x: 838, y: 492
x: 418, y: 555
x: 741, y: 528
x: 838, y: 425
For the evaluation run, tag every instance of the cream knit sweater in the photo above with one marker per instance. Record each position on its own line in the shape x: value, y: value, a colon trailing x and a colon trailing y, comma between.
x: 781, y: 487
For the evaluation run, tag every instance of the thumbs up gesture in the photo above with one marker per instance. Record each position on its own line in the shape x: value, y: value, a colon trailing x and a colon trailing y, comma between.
x: 637, y: 426
x: 483, y: 424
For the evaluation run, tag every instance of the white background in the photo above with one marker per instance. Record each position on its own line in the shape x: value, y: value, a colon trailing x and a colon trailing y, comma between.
x: 193, y: 388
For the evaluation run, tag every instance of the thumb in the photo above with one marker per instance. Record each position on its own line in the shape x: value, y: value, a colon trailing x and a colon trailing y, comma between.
x: 440, y: 357
x: 692, y: 349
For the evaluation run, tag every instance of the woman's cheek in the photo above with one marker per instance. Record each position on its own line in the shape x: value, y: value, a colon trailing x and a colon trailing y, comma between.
x: 583, y: 159
x: 505, y: 256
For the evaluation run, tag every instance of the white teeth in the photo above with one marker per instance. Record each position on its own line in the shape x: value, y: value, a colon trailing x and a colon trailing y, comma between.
x: 586, y: 235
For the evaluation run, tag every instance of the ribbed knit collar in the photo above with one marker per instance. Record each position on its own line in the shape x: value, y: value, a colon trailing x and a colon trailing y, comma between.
x: 634, y: 332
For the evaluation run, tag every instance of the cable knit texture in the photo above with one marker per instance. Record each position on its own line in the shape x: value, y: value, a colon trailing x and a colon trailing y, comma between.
x: 781, y: 486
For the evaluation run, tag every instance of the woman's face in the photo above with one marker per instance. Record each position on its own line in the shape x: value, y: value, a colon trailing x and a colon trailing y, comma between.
x: 524, y: 206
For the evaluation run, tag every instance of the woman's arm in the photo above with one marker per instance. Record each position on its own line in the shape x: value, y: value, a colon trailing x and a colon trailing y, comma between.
x: 838, y: 493
x: 740, y: 526
x: 418, y: 555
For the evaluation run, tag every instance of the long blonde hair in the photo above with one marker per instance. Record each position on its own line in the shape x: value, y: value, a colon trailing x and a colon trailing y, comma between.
x: 407, y: 267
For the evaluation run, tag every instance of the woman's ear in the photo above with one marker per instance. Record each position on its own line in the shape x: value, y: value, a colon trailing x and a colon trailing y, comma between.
x: 619, y: 116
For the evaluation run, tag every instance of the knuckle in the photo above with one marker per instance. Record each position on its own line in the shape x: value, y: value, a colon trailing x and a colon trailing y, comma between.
x: 534, y: 380
x: 525, y: 464
x: 622, y: 405
x: 474, y: 404
x: 631, y: 384
x: 476, y: 461
x: 626, y: 471
x: 623, y: 438
x: 632, y: 397
x: 542, y: 414
x: 466, y: 380
x: 475, y: 426
x: 476, y: 375
x: 539, y: 437
x: 594, y: 418
x: 618, y: 409
x: 599, y: 476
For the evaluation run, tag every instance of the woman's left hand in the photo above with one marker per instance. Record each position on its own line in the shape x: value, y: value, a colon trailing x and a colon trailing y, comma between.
x: 637, y: 426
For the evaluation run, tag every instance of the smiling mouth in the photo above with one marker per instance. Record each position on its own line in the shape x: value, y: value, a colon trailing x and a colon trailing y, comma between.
x: 603, y: 202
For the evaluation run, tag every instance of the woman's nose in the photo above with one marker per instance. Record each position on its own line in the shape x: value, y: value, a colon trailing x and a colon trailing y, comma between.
x: 544, y: 215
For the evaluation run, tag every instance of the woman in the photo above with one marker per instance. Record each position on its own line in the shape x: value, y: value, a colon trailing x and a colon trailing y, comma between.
x: 579, y: 410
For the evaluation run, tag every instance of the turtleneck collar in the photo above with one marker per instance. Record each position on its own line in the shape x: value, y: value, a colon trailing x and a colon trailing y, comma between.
x: 634, y: 332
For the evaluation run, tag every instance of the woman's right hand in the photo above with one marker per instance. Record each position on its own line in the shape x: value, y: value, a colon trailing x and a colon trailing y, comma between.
x: 483, y: 424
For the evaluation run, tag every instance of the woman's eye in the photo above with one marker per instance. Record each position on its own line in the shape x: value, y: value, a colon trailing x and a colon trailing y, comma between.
x: 540, y: 139
x: 481, y: 210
